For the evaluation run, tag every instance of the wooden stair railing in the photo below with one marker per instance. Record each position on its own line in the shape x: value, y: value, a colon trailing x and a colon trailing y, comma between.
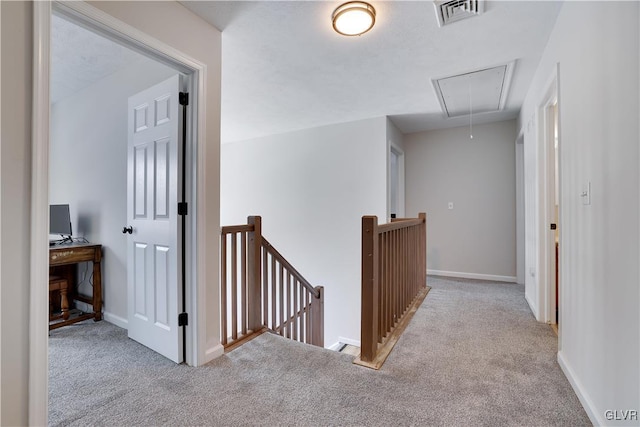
x: 261, y: 291
x: 394, y: 273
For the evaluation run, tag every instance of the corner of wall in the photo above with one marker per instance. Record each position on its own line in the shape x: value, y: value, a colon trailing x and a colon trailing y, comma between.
x: 580, y: 391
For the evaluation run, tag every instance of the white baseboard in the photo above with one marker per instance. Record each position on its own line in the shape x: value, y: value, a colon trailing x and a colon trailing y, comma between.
x: 109, y: 317
x: 586, y: 402
x: 343, y: 340
x: 335, y: 346
x: 116, y: 320
x: 532, y: 307
x: 212, y: 353
x: 478, y: 276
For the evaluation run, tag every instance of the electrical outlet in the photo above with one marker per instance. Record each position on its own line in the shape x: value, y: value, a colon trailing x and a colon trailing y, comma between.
x: 450, y: 205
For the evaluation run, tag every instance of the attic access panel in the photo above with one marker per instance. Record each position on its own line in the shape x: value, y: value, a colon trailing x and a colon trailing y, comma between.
x: 480, y: 91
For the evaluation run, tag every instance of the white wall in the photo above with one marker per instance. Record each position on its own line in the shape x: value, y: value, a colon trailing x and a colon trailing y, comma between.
x: 15, y: 203
x: 477, y: 237
x: 187, y: 33
x: 597, y: 46
x: 88, y: 170
x: 312, y: 188
x: 395, y: 138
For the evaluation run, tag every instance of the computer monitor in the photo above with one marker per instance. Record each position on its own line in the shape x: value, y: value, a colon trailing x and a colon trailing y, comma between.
x: 59, y: 220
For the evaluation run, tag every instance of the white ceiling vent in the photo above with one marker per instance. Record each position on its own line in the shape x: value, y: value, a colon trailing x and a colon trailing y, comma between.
x: 480, y: 91
x: 448, y: 11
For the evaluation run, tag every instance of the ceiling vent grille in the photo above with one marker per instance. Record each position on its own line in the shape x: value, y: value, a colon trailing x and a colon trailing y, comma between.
x: 448, y: 11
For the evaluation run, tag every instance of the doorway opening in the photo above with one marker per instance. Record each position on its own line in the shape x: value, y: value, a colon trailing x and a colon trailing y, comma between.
x: 98, y: 22
x: 396, y: 182
x: 551, y: 241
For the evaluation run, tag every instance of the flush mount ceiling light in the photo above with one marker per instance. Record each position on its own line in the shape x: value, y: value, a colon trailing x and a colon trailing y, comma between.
x: 353, y: 18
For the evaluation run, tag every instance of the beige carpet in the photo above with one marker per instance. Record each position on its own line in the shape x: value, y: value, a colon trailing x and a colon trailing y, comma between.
x: 472, y: 355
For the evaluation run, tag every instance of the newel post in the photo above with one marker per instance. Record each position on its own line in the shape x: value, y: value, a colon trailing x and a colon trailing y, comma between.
x: 423, y: 248
x: 369, y: 309
x: 317, y: 318
x: 254, y: 268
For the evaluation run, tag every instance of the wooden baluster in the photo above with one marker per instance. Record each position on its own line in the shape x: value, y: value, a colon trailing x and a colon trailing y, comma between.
x: 288, y: 312
x: 281, y: 299
x: 274, y: 289
x: 369, y: 308
x: 393, y: 285
x: 389, y: 278
x: 234, y: 286
x: 265, y: 286
x: 423, y: 249
x: 303, y: 309
x: 243, y: 282
x: 307, y: 309
x: 384, y: 253
x: 296, y: 314
x: 380, y: 288
x: 223, y: 290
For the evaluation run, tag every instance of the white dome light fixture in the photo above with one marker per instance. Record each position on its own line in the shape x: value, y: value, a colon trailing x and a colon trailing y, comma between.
x: 353, y: 18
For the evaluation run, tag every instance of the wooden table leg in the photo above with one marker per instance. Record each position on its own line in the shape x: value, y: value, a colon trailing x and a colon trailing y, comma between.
x: 97, y: 286
x: 64, y: 301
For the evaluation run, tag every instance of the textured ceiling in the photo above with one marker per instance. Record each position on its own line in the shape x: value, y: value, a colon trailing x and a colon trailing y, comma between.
x: 80, y: 58
x: 284, y: 68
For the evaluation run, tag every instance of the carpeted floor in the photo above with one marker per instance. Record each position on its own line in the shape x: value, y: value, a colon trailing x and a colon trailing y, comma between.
x: 472, y: 355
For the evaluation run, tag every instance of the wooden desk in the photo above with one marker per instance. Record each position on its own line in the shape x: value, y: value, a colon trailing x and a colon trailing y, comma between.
x: 70, y: 255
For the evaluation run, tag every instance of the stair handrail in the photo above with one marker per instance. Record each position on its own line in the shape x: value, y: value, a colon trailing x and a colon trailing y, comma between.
x: 272, y: 250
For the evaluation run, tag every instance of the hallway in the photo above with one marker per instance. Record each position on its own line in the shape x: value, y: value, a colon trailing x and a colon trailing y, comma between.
x: 472, y: 355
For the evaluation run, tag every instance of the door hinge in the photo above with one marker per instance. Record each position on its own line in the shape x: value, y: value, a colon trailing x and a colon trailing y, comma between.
x: 183, y: 208
x: 183, y: 98
x: 183, y: 319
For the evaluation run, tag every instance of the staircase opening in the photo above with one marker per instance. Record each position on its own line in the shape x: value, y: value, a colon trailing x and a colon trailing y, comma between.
x: 261, y: 291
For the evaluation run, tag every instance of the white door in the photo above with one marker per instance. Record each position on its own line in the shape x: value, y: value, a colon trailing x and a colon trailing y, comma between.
x: 154, y: 300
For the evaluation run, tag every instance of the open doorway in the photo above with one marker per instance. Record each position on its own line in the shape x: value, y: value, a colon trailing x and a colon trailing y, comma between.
x: 396, y: 182
x: 197, y: 291
x: 91, y: 80
x: 550, y: 133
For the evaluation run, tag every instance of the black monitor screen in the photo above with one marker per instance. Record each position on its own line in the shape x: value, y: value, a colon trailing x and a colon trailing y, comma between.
x: 59, y: 220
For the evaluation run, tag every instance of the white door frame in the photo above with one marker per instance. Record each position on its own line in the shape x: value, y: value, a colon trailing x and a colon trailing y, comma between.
x: 547, y: 285
x: 392, y: 147
x: 123, y: 33
x: 520, y: 209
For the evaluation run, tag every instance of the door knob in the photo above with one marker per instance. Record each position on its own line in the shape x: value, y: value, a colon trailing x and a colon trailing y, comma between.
x: 128, y: 229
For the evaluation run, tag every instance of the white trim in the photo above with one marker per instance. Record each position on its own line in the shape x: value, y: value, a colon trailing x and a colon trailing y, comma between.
x: 38, y: 301
x: 478, y: 276
x: 335, y: 346
x: 342, y: 341
x: 212, y: 353
x: 578, y: 388
x: 392, y: 147
x: 349, y: 341
x: 532, y: 307
x: 120, y: 322
x: 132, y: 37
x: 546, y: 206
